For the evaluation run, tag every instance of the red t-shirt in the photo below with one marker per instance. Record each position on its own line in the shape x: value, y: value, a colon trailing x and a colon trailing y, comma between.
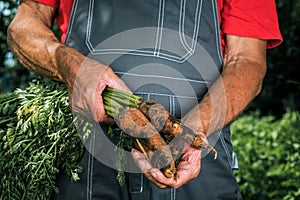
x: 255, y: 18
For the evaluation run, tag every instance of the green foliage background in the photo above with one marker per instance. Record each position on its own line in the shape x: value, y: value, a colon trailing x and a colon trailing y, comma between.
x: 268, y: 150
x: 281, y: 90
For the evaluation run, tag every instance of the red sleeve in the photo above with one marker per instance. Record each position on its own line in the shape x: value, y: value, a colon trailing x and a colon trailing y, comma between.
x: 53, y: 3
x: 252, y: 18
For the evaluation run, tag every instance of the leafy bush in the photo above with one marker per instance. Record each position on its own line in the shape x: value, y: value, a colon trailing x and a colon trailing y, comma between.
x: 38, y: 139
x: 269, y: 156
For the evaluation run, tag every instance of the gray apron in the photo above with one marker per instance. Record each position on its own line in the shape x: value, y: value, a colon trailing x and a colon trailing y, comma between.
x: 165, y: 50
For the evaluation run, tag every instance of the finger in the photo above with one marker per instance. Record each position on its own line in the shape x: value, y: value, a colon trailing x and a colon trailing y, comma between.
x: 186, y: 172
x: 113, y: 81
x: 183, y: 176
x: 189, y: 167
x: 192, y: 154
x: 159, y: 177
x: 146, y: 168
x: 98, y: 107
x: 108, y: 120
x: 153, y: 174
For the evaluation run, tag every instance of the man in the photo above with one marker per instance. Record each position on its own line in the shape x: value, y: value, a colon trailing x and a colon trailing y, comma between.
x: 176, y: 31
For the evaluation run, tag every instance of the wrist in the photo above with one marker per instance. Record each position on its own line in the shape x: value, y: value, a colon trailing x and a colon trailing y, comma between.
x: 196, y: 121
x: 68, y: 62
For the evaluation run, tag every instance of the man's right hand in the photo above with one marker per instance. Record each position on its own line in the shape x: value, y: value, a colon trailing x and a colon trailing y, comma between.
x: 85, y: 93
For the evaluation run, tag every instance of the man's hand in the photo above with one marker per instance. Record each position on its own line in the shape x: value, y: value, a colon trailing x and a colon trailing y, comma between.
x: 188, y: 169
x: 85, y: 92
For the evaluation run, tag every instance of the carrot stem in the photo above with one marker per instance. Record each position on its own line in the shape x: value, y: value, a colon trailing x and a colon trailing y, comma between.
x: 115, y: 99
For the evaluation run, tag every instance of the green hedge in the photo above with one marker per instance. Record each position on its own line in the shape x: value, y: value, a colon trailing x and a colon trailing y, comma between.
x: 269, y: 159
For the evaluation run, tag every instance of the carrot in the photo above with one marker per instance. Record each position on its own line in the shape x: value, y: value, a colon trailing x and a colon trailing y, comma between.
x: 147, y: 138
x: 169, y: 126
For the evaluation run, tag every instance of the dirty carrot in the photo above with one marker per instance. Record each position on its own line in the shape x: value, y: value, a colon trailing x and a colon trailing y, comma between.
x: 135, y: 124
x: 169, y: 126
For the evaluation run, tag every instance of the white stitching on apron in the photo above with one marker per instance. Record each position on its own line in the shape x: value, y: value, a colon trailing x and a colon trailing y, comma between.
x: 90, y: 168
x: 160, y: 26
x: 189, y: 48
x: 165, y: 77
x: 172, y: 111
x: 141, y: 188
x: 71, y: 22
x: 89, y: 25
x: 225, y: 148
x: 159, y: 94
x: 217, y: 26
x: 157, y: 53
x: 172, y: 194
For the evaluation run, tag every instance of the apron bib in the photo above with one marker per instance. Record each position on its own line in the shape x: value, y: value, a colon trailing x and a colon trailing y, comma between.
x: 165, y: 50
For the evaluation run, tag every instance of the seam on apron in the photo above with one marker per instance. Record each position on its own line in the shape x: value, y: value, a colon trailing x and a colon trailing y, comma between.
x: 160, y: 24
x: 71, y: 21
x: 166, y: 95
x: 187, y: 47
x: 148, y: 96
x: 217, y: 27
x: 173, y: 194
x: 225, y: 148
x: 172, y: 111
x: 89, y: 25
x: 196, y: 33
x: 141, y: 188
x: 181, y: 27
x: 165, y: 77
x: 171, y: 106
x: 90, y: 169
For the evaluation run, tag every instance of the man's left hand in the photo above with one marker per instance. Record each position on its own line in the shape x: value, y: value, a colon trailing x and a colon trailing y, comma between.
x: 188, y: 169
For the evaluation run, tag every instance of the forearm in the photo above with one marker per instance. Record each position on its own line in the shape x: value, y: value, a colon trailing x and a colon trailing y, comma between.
x: 239, y: 83
x: 31, y: 40
x: 239, y: 88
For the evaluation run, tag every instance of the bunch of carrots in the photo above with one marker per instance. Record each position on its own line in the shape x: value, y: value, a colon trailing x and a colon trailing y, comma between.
x: 156, y: 133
